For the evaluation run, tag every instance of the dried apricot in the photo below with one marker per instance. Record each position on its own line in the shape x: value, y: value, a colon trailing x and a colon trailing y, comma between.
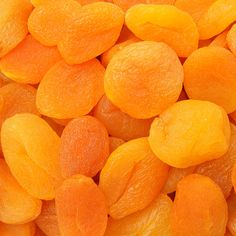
x: 164, y: 23
x: 210, y: 75
x: 153, y: 220
x: 17, y: 230
x: 95, y: 30
x: 50, y: 21
x: 118, y: 123
x: 81, y: 207
x: 231, y: 39
x: 231, y: 225
x: 30, y: 148
x: 140, y: 82
x: 17, y: 206
x: 114, y: 143
x: 175, y: 175
x: 220, y: 40
x: 126, y: 4
x: 199, y: 208
x: 47, y: 220
x: 132, y: 178
x: 13, y: 23
x: 84, y: 147
x: 80, y: 86
x: 182, y: 136
x: 29, y: 61
x: 220, y: 170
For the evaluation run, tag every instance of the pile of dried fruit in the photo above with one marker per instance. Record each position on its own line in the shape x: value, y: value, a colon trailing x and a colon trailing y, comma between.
x: 118, y: 118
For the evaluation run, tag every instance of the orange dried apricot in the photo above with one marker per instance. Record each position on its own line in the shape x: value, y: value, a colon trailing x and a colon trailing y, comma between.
x: 84, y: 147
x: 16, y: 205
x: 210, y: 75
x: 39, y: 232
x: 119, y: 124
x: 164, y: 23
x: 54, y: 125
x: 13, y: 23
x: 231, y: 39
x: 29, y: 61
x: 132, y: 178
x: 211, y: 16
x: 199, y: 208
x: 96, y: 29
x: 220, y: 170
x: 81, y: 207
x: 114, y: 143
x: 231, y: 225
x: 144, y: 79
x: 17, y: 98
x: 153, y: 220
x: 50, y: 21
x: 175, y: 175
x: 31, y: 147
x: 107, y: 56
x: 126, y: 4
x: 233, y: 176
x: 17, y: 230
x: 182, y: 136
x: 47, y: 220
x: 220, y: 40
x: 80, y: 86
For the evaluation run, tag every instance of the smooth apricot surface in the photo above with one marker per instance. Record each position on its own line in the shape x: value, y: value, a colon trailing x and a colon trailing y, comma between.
x: 164, y: 23
x: 80, y: 86
x: 119, y: 124
x: 132, y: 178
x: 140, y: 82
x: 210, y: 75
x: 17, y: 230
x: 30, y: 147
x: 16, y: 205
x: 81, y: 208
x: 29, y: 61
x: 153, y: 220
x: 182, y: 136
x: 199, y: 208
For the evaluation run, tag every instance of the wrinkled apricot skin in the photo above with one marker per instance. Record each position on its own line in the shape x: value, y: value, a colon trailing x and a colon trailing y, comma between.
x: 84, y: 147
x: 119, y: 124
x: 199, y: 203
x: 16, y: 98
x: 210, y: 75
x: 12, y: 211
x: 153, y: 220
x: 84, y: 34
x: 71, y: 84
x: 31, y: 147
x: 29, y: 61
x: 164, y: 23
x: 140, y: 82
x: 182, y: 136
x: 220, y: 170
x: 49, y: 22
x: 13, y: 23
x: 132, y: 178
x: 81, y: 208
x: 175, y: 175
x: 47, y: 220
x: 17, y: 230
x: 126, y: 4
